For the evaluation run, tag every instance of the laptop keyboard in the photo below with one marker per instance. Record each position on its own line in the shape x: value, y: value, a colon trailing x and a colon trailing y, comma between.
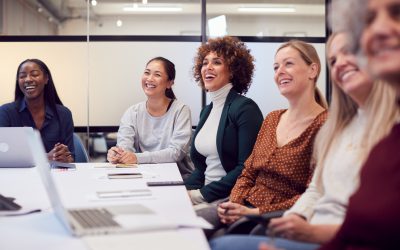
x: 94, y: 218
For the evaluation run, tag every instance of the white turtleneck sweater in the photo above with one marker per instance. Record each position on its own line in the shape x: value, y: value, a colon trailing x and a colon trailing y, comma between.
x: 206, y: 139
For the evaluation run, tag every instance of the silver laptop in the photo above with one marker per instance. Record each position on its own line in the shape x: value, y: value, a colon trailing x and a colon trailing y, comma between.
x: 94, y: 220
x: 14, y: 147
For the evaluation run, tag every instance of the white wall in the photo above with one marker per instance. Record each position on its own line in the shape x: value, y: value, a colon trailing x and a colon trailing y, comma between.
x: 114, y: 75
x: 67, y: 63
x: 264, y: 90
x: 115, y: 69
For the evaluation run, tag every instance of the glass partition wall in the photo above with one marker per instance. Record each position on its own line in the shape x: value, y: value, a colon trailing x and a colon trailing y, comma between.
x: 97, y: 50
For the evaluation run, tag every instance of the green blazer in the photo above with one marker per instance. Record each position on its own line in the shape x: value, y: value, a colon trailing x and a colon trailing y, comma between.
x: 238, y: 127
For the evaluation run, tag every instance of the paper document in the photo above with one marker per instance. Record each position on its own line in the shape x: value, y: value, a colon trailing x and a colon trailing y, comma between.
x: 166, y: 240
x: 196, y: 222
x: 145, y: 222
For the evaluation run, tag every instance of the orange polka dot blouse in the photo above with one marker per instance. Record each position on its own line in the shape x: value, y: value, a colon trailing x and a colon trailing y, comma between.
x: 274, y: 177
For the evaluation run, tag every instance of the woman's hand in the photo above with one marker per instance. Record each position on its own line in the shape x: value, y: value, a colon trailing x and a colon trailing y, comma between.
x: 114, y: 154
x: 127, y: 157
x: 196, y: 197
x: 117, y: 155
x: 229, y: 212
x: 60, y: 153
x: 265, y: 246
x: 293, y: 227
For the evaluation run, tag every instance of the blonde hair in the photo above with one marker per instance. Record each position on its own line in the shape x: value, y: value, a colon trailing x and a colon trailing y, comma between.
x: 380, y: 110
x: 309, y: 55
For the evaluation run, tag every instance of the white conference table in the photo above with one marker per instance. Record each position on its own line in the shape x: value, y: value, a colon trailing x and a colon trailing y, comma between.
x: 77, y: 189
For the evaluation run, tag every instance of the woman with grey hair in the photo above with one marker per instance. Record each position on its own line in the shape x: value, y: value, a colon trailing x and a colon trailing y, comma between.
x: 358, y: 106
x: 372, y: 220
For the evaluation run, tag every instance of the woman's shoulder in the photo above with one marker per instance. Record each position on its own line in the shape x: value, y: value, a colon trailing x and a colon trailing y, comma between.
x: 181, y: 109
x: 63, y: 111
x: 136, y: 107
x: 241, y: 101
x: 321, y: 118
x: 179, y: 105
x: 62, y: 108
x: 275, y: 115
x: 9, y: 106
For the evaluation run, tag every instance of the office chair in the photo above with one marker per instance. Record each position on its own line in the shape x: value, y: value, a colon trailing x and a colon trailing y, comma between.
x: 80, y: 151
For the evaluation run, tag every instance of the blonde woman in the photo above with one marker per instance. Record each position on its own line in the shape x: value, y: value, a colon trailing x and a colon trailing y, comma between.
x: 372, y: 220
x: 278, y: 170
x: 359, y: 106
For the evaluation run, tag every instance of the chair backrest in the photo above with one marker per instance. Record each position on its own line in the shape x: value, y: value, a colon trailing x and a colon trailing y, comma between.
x: 80, y: 151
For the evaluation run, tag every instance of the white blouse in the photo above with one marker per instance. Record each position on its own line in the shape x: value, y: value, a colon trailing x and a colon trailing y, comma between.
x: 325, y: 201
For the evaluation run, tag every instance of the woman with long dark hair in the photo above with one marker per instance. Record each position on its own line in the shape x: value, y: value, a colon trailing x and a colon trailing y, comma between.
x: 37, y: 104
x: 157, y: 130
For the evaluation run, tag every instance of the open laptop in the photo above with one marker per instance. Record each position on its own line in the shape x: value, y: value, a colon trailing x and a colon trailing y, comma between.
x: 94, y: 220
x: 14, y: 147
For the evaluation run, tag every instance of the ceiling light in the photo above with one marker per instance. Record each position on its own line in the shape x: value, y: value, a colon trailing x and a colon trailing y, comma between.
x: 93, y: 2
x: 136, y: 8
x: 144, y: 1
x: 119, y: 23
x: 217, y: 26
x: 267, y: 9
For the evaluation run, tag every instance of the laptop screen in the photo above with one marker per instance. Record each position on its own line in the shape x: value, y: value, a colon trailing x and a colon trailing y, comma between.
x: 43, y: 166
x: 14, y: 148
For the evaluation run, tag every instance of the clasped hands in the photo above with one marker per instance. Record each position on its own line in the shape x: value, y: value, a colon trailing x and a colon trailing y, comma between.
x: 117, y: 155
x: 229, y: 212
x: 292, y: 226
x: 60, y: 153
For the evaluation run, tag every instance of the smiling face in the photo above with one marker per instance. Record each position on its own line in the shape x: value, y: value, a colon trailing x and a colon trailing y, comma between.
x: 380, y: 40
x: 292, y: 75
x: 155, y: 79
x: 345, y: 72
x: 31, y: 80
x: 214, y: 72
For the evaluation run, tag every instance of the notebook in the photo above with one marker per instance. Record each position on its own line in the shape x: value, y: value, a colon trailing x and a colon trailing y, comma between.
x: 96, y: 219
x: 14, y: 147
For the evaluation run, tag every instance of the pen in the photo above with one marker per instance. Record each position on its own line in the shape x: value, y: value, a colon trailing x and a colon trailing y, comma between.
x: 226, y: 210
x: 115, y: 195
x: 25, y: 213
x: 115, y: 151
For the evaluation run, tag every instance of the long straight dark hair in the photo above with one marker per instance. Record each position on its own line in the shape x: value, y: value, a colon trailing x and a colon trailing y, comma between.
x: 170, y: 69
x: 50, y: 95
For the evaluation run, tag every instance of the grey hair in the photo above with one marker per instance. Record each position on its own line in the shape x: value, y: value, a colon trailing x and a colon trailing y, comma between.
x: 349, y: 16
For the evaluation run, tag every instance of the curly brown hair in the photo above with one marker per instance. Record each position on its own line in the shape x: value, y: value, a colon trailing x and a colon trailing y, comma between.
x: 236, y: 55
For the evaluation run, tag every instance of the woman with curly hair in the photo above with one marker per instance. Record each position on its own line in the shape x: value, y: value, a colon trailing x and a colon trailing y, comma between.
x: 228, y: 126
x: 279, y: 170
